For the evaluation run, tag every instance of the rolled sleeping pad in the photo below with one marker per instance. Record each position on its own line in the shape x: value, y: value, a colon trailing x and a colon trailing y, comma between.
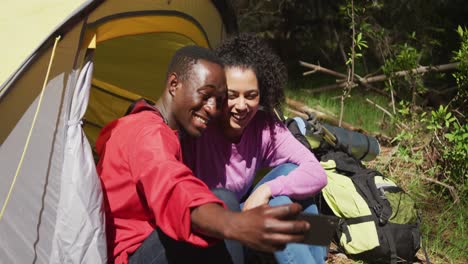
x: 358, y: 145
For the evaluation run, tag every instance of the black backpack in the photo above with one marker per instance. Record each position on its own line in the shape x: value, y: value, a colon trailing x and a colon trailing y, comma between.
x: 386, y: 228
x: 389, y: 231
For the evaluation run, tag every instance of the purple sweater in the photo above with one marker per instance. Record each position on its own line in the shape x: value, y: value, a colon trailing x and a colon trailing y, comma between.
x: 220, y: 163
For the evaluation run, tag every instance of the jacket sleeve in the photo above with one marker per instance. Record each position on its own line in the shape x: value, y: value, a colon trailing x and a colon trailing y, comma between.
x: 169, y: 187
x: 281, y: 147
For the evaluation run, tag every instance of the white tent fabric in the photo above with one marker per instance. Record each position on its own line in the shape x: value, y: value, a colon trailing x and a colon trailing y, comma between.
x: 80, y: 232
x: 29, y: 220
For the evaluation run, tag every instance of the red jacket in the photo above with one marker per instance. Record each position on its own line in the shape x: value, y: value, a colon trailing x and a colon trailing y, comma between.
x: 145, y: 183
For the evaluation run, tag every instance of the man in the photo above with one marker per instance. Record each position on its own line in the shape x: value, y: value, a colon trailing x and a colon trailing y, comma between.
x: 156, y: 210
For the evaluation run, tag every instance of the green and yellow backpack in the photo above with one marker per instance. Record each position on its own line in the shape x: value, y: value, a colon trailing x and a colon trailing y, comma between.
x: 379, y: 222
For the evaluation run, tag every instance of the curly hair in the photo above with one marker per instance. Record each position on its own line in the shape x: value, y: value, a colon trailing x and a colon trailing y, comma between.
x: 248, y: 51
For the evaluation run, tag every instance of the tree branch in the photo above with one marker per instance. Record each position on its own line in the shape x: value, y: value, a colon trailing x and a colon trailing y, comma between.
x: 366, y: 80
x: 296, y: 113
x: 319, y: 68
x: 379, y: 107
x: 302, y: 108
x: 419, y: 70
x: 399, y: 124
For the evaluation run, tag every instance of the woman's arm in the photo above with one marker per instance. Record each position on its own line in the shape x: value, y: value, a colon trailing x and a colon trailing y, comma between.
x: 281, y: 147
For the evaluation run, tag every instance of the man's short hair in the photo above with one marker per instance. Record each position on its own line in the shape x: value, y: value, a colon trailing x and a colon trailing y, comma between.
x: 184, y: 58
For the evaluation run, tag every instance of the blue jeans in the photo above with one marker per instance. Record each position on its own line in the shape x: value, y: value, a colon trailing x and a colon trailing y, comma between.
x: 294, y: 252
x: 158, y: 248
x: 235, y: 248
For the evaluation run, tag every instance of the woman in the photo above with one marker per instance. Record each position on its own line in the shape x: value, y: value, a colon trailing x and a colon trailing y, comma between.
x: 248, y: 137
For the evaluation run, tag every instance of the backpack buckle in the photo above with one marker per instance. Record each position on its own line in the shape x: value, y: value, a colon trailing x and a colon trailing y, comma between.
x: 383, y: 218
x: 382, y: 193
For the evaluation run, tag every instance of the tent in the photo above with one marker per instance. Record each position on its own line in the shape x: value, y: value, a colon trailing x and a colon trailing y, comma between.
x: 68, y: 68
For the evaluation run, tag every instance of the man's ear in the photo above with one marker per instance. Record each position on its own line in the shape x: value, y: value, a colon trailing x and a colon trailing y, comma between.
x: 173, y: 83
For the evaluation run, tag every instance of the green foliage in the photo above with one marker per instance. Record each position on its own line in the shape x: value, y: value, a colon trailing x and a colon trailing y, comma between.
x: 360, y: 44
x: 430, y: 161
x: 455, y: 155
x: 407, y: 58
x: 404, y: 108
x: 437, y: 144
x: 452, y: 141
x: 354, y: 14
x: 440, y: 120
x: 408, y: 85
x: 461, y: 56
x: 408, y: 138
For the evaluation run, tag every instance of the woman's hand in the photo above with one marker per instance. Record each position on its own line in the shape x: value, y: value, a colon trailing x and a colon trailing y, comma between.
x: 259, y: 197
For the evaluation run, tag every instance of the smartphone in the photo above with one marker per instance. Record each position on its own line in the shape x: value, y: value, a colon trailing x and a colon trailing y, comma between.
x: 322, y: 228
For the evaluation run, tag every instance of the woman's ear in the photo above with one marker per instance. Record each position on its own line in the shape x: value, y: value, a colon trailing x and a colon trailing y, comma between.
x: 173, y: 83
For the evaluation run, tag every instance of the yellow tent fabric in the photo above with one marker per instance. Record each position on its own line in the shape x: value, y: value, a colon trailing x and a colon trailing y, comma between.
x: 25, y: 25
x: 145, y: 24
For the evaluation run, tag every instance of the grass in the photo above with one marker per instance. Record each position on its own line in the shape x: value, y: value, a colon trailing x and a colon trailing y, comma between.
x: 443, y: 223
x: 445, y: 231
x: 356, y: 111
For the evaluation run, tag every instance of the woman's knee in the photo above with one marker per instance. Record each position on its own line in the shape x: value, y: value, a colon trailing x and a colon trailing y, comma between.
x: 288, y: 166
x: 228, y: 197
x: 283, y: 169
x: 280, y: 200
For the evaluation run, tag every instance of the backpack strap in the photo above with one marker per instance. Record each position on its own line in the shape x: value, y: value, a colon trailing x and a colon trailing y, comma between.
x: 293, y: 127
x: 344, y: 223
x: 391, y: 243
x: 379, y: 195
x: 364, y: 181
x: 360, y: 219
x: 343, y: 228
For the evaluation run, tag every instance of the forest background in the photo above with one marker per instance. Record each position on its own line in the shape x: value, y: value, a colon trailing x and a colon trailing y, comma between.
x: 395, y: 69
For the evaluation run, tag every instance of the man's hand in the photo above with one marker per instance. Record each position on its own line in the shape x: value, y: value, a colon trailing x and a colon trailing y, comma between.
x: 267, y: 228
x: 260, y: 196
x: 262, y: 228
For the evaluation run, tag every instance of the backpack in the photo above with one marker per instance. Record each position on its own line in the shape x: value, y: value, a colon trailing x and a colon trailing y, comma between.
x: 379, y: 222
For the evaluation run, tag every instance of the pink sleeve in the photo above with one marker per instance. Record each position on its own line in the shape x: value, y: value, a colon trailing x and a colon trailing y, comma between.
x: 281, y: 147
